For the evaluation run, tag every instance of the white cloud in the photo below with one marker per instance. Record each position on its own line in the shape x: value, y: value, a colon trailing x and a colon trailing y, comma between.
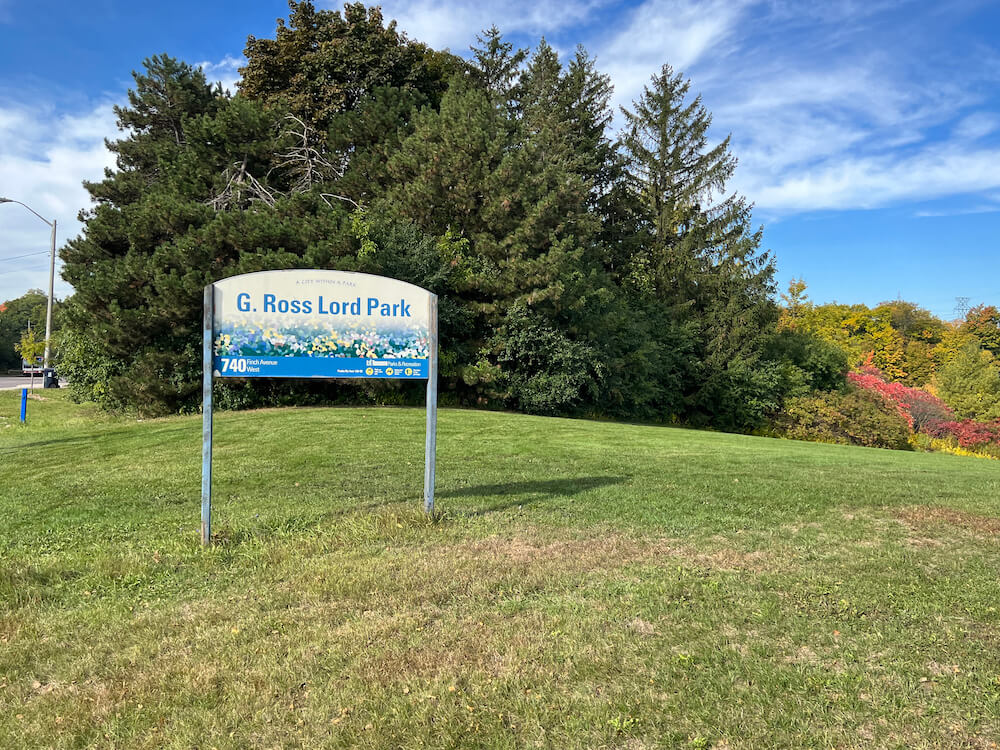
x: 225, y: 71
x: 970, y: 211
x: 43, y: 163
x: 977, y: 125
x: 856, y: 143
x: 678, y: 32
x: 848, y: 182
x: 820, y: 117
x: 454, y: 25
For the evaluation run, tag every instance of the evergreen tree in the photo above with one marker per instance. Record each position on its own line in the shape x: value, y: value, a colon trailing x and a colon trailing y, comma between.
x: 698, y: 254
x: 464, y: 169
x: 362, y: 140
x: 471, y: 170
x: 207, y: 211
x: 495, y: 65
x: 322, y: 63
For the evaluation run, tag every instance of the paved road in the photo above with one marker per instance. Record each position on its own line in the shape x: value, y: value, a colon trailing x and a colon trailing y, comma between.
x: 9, y: 383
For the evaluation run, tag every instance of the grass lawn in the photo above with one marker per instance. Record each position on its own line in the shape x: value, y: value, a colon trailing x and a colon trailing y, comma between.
x: 587, y: 585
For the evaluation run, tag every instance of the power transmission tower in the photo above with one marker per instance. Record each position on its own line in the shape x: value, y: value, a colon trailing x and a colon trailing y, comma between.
x: 962, y: 306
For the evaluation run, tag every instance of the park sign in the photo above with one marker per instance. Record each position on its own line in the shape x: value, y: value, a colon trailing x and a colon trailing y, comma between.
x: 325, y: 324
x: 313, y: 323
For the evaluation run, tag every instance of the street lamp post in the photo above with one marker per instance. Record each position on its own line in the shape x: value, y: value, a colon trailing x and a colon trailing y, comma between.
x: 52, y: 277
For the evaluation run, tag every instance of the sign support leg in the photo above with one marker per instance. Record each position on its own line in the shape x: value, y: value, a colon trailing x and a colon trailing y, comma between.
x: 206, y: 411
x: 430, y: 446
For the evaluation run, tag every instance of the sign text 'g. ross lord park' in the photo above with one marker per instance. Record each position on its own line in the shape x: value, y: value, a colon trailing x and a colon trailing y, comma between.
x: 312, y: 323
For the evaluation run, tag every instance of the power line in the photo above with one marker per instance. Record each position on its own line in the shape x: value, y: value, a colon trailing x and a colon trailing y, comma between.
x: 26, y: 255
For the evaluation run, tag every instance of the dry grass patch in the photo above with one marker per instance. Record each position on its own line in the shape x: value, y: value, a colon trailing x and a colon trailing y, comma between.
x: 640, y: 626
x: 611, y: 551
x: 922, y: 517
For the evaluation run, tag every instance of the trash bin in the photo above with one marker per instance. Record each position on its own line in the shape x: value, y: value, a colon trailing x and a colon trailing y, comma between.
x: 49, y: 379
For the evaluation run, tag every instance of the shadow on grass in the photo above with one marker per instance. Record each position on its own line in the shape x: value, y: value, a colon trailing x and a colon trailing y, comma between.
x: 528, y: 492
x: 520, y: 493
x: 41, y: 444
x: 154, y: 438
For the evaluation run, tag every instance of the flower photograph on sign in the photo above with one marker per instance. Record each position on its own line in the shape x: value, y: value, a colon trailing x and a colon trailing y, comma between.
x: 244, y: 340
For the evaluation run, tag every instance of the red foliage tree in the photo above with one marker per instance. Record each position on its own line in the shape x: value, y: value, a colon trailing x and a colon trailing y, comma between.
x: 918, y: 407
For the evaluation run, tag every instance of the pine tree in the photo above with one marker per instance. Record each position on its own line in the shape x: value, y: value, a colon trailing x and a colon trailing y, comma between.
x: 166, y: 92
x: 495, y: 65
x: 697, y: 254
x: 471, y: 170
x: 587, y: 95
x: 363, y: 140
x: 322, y: 63
x: 207, y: 210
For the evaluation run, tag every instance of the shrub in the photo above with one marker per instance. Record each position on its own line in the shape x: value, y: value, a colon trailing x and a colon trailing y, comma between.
x: 967, y: 433
x: 808, y: 363
x: 854, y: 417
x: 927, y: 409
x: 90, y: 370
x: 918, y: 407
x: 542, y: 369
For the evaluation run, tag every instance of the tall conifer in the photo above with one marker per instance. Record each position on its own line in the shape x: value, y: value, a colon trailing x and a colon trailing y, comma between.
x: 698, y: 254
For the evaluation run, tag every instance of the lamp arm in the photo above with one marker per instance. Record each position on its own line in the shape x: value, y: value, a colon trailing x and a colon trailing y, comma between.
x: 11, y: 200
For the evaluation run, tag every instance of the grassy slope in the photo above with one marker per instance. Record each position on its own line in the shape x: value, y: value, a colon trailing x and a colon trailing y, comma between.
x: 590, y: 585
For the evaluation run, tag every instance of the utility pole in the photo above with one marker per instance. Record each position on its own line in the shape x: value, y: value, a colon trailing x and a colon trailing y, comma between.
x: 962, y: 306
x: 52, y: 279
x: 48, y: 307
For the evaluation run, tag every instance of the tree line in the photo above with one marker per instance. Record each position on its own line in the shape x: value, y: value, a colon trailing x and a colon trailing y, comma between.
x: 578, y: 271
x: 955, y: 361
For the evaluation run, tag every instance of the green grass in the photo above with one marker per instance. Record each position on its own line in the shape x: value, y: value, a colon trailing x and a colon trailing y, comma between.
x: 587, y: 585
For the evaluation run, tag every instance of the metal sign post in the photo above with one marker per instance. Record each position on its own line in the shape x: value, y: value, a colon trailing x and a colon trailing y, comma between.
x: 320, y: 324
x: 430, y: 444
x: 208, y: 338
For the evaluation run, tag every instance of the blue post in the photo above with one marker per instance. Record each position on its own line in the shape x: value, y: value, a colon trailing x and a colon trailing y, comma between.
x: 24, y: 403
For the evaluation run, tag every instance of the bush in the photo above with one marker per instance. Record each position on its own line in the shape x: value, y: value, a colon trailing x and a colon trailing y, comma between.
x: 853, y: 417
x: 918, y: 407
x: 808, y: 363
x: 90, y: 371
x: 927, y: 410
x: 542, y: 370
x: 967, y: 433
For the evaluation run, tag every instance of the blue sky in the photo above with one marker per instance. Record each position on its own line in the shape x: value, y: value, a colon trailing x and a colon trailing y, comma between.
x: 868, y: 133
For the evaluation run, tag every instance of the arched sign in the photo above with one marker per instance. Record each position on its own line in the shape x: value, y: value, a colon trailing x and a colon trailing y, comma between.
x: 317, y: 324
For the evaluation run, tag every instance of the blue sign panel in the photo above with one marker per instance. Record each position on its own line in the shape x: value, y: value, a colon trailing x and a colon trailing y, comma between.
x: 319, y: 367
x: 320, y: 324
